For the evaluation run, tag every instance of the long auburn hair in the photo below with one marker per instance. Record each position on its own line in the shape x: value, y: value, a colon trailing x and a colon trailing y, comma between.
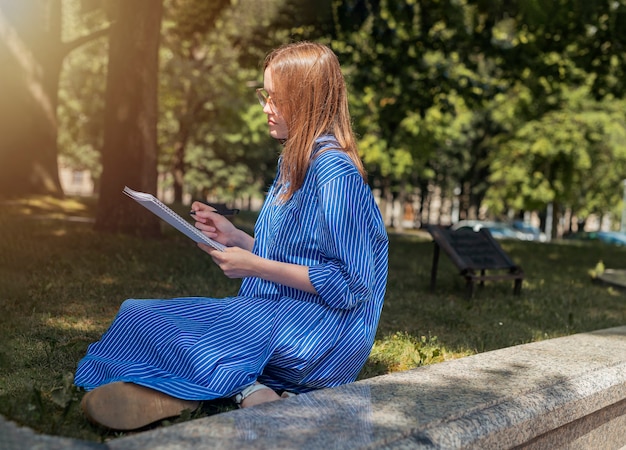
x: 310, y: 93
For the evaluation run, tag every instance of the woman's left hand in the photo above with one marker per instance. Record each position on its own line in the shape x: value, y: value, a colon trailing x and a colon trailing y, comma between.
x: 235, y: 262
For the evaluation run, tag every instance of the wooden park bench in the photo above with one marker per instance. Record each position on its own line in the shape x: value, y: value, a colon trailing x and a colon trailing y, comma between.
x: 477, y: 255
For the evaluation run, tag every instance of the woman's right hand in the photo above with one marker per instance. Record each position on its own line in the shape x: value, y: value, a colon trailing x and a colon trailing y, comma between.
x: 219, y: 228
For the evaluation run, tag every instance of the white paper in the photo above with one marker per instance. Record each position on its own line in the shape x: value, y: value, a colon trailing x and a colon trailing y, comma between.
x: 154, y: 205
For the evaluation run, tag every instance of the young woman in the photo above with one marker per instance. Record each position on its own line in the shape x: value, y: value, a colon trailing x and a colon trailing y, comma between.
x: 314, y: 275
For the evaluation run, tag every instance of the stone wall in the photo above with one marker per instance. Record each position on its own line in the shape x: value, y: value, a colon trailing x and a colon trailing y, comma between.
x: 568, y: 392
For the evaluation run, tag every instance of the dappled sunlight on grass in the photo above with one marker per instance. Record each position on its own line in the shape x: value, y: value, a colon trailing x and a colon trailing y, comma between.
x: 47, y: 204
x: 74, y: 324
x: 553, y: 256
x: 403, y: 351
x: 105, y: 280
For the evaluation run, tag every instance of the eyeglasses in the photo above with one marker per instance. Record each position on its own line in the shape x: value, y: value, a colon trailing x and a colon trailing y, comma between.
x: 264, y: 98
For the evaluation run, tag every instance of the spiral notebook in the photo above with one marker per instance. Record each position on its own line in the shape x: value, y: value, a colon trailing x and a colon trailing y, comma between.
x: 154, y: 205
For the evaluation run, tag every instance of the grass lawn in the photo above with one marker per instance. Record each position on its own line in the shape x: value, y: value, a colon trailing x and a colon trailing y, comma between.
x: 61, y: 285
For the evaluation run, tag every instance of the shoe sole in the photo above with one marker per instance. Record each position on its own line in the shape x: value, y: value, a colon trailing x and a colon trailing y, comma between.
x: 128, y: 406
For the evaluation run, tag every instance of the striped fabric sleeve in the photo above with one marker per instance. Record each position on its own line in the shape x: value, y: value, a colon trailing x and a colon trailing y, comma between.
x: 346, y: 276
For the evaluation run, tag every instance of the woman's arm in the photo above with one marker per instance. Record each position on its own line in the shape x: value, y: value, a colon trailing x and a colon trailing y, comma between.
x: 354, y: 240
x: 240, y: 263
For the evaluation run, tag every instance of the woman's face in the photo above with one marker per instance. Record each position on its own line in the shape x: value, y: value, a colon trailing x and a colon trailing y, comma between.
x: 276, y: 122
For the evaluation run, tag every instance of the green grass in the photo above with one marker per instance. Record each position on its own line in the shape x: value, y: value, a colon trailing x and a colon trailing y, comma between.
x: 61, y: 285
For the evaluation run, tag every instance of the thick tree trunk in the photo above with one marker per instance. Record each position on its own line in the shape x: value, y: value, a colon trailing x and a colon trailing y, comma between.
x: 129, y: 154
x: 31, y: 52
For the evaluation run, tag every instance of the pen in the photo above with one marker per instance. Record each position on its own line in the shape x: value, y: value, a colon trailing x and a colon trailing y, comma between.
x: 220, y: 209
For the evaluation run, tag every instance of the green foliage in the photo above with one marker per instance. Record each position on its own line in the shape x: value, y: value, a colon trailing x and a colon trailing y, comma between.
x: 214, y: 136
x: 572, y: 156
x: 402, y: 351
x: 597, y: 270
x: 465, y: 92
x: 81, y: 88
x: 210, y: 58
x: 81, y: 121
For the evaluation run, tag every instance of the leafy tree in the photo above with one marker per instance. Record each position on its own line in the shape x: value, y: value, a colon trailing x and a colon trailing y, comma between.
x: 414, y: 63
x: 213, y: 133
x: 480, y: 70
x: 573, y: 157
x: 553, y: 41
x: 564, y: 55
x: 81, y: 94
x: 189, y: 71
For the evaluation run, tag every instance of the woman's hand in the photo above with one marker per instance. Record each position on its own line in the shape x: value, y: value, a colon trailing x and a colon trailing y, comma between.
x: 235, y: 262
x: 219, y: 228
x: 239, y: 263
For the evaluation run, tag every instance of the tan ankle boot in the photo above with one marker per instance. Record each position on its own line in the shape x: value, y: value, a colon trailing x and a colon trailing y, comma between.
x: 128, y: 406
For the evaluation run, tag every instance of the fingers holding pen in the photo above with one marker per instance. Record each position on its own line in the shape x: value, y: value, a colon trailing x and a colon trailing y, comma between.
x: 205, y: 216
x: 213, y: 224
x: 201, y: 211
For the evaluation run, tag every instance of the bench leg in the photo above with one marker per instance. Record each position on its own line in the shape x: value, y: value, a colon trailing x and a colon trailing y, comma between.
x: 517, y: 289
x: 470, y: 284
x: 433, y: 270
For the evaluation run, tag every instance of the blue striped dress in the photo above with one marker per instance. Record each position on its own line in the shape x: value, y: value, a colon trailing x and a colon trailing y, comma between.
x: 205, y: 348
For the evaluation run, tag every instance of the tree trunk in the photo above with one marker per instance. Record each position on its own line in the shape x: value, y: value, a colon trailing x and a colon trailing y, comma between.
x: 31, y: 52
x: 129, y: 154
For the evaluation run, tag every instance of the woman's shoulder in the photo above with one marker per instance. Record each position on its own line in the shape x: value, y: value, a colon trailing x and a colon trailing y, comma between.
x: 330, y: 161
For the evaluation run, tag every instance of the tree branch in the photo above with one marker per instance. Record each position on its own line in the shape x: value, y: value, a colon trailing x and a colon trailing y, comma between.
x: 72, y: 45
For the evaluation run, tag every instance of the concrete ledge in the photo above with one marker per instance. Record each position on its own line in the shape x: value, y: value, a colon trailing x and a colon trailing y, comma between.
x: 567, y: 392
